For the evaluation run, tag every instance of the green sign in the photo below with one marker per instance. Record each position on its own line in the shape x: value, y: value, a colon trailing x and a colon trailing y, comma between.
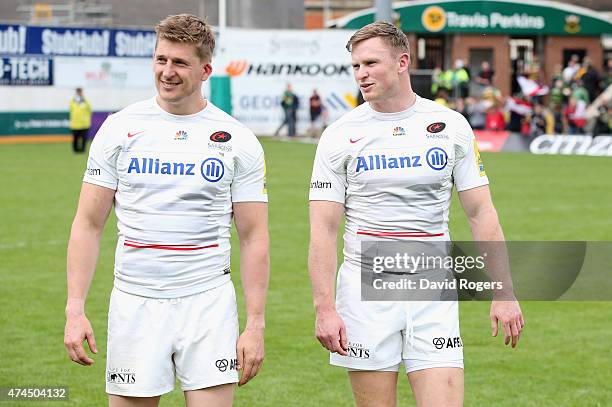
x: 490, y: 17
x: 17, y: 123
x: 221, y: 93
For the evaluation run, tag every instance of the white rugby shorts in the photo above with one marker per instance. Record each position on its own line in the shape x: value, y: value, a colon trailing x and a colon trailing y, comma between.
x: 381, y: 334
x: 152, y: 342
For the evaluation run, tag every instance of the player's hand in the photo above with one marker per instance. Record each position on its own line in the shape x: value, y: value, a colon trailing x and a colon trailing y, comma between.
x: 511, y: 317
x: 331, y: 332
x: 77, y: 330
x: 250, y: 353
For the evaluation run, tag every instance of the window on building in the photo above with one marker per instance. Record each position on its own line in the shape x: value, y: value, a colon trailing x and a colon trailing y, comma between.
x: 522, y: 59
x: 477, y: 57
x: 430, y: 52
x: 567, y: 55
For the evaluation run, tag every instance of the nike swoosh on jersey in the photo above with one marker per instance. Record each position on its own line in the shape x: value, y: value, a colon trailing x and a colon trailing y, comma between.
x: 134, y: 134
x: 353, y: 141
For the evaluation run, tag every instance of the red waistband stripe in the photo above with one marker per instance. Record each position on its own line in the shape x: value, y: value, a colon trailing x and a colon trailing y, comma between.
x: 397, y: 234
x: 179, y: 247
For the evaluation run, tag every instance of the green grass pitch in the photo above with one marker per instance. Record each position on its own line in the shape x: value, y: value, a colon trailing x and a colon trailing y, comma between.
x: 563, y: 359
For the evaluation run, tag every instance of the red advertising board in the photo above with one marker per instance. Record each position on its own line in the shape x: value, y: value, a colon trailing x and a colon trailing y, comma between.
x: 491, y: 140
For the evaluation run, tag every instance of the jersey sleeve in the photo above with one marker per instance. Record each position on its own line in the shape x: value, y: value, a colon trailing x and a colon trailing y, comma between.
x: 469, y: 169
x: 328, y: 181
x: 102, y: 162
x: 249, y: 184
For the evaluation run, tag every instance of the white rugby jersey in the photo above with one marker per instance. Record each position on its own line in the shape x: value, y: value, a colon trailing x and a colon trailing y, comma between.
x: 394, y: 172
x: 175, y: 179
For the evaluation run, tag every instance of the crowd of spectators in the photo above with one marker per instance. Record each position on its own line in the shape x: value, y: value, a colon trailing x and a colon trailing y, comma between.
x: 565, y: 106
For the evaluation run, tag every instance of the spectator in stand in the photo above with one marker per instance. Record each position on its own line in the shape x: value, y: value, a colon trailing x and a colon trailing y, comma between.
x: 532, y: 69
x: 458, y: 79
x: 495, y: 120
x: 555, y: 103
x: 442, y: 97
x: 591, y: 80
x: 477, y: 111
x: 557, y: 120
x: 459, y: 106
x: 556, y: 96
x: 537, y: 121
x: 492, y: 95
x: 557, y: 73
x: 607, y: 79
x: 519, y: 109
x: 574, y: 116
x: 582, y: 67
x: 579, y: 92
x: 571, y: 69
x: 437, y: 81
x: 485, y: 76
x: 466, y: 66
x: 484, y: 79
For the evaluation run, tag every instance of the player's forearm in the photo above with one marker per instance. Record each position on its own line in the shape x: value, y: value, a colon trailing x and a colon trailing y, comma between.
x: 322, y: 263
x: 83, y: 249
x: 487, y: 231
x: 255, y: 274
x: 485, y: 225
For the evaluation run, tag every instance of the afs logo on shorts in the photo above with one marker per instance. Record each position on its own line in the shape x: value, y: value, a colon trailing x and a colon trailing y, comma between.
x: 220, y: 137
x: 436, y: 127
x: 225, y: 364
x: 452, y: 343
x: 121, y: 376
x: 437, y: 158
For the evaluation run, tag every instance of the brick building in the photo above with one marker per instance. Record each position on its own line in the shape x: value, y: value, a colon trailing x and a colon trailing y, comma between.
x: 517, y: 38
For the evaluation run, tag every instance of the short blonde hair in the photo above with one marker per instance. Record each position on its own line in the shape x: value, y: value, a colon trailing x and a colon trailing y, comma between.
x: 393, y: 36
x: 188, y: 29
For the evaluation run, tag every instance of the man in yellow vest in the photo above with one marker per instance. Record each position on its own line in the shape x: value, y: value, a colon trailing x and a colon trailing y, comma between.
x: 80, y: 120
x: 460, y: 80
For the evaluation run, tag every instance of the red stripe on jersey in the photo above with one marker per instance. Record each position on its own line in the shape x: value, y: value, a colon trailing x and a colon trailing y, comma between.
x: 397, y: 234
x: 181, y: 247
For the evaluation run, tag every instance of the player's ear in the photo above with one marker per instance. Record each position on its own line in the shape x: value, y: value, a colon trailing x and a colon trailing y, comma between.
x: 206, y: 71
x: 404, y: 62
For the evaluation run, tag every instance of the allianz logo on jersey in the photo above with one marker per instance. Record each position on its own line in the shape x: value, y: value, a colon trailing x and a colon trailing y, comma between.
x: 436, y: 158
x: 382, y: 162
x: 211, y: 169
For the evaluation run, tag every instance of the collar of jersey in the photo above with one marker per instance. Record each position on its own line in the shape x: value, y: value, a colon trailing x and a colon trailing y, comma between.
x: 404, y: 114
x: 180, y: 117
